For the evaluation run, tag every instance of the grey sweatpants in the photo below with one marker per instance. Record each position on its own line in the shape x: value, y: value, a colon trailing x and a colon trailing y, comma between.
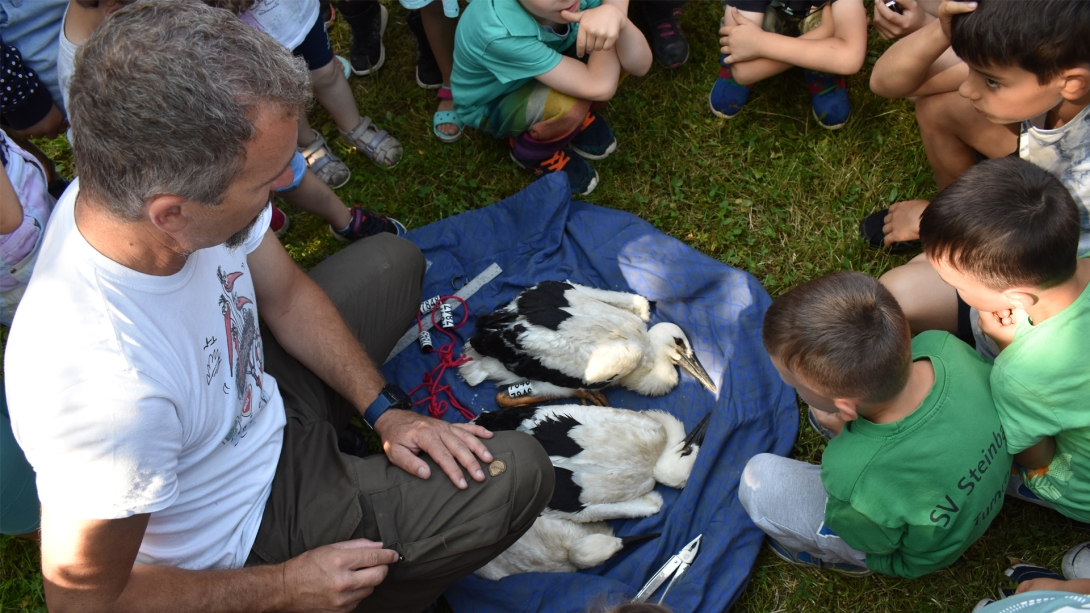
x: 786, y: 499
x: 321, y: 496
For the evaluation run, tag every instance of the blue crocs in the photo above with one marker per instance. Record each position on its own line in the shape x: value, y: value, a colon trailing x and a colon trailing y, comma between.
x: 829, y: 98
x: 595, y: 140
x: 728, y: 96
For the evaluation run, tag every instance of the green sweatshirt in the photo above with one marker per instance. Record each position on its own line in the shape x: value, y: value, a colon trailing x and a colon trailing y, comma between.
x: 914, y: 494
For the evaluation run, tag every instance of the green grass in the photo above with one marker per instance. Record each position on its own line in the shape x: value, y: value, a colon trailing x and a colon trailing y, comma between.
x: 769, y: 192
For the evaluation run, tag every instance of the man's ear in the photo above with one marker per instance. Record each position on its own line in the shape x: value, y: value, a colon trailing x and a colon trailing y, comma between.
x: 1076, y: 83
x: 847, y: 408
x: 168, y: 213
x: 1021, y: 297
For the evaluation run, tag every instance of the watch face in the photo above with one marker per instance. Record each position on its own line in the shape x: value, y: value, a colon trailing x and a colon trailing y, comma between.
x: 397, y: 396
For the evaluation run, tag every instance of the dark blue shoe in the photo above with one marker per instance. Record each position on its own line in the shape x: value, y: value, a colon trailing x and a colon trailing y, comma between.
x: 728, y: 96
x: 365, y: 223
x: 595, y: 140
x: 803, y: 558
x: 581, y: 175
x: 829, y: 98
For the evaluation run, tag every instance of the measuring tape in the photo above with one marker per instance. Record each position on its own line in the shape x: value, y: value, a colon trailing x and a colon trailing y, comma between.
x: 467, y: 290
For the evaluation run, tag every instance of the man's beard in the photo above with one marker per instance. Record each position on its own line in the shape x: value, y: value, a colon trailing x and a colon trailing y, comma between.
x: 238, y: 238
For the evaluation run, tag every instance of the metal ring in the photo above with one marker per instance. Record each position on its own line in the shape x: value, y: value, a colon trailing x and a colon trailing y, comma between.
x: 454, y: 282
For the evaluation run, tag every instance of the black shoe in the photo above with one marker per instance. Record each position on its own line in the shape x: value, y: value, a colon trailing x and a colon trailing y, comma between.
x: 581, y: 175
x: 367, y: 53
x: 595, y: 141
x: 871, y: 230
x: 428, y: 74
x: 668, y: 42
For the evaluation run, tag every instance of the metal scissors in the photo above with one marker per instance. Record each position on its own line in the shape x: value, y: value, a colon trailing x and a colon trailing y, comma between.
x: 674, y: 568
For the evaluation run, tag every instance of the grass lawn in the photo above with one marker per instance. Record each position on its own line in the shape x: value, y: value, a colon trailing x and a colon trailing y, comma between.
x: 770, y: 192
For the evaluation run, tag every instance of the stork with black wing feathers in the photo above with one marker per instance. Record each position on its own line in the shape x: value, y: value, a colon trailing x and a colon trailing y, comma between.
x: 569, y: 340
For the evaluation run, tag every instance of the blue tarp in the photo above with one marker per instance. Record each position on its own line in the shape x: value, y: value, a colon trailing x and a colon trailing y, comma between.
x: 541, y: 234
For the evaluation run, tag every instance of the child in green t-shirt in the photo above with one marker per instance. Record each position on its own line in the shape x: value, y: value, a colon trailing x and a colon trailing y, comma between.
x: 510, y: 79
x: 1005, y: 236
x: 917, y: 465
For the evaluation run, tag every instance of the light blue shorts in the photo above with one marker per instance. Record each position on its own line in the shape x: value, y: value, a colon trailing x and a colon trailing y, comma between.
x: 298, y: 169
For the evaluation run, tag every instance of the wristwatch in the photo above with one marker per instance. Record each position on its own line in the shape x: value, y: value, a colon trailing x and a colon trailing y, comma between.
x: 391, y: 397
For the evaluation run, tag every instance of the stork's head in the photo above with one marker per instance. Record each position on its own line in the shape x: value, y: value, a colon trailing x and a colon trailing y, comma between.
x: 670, y: 345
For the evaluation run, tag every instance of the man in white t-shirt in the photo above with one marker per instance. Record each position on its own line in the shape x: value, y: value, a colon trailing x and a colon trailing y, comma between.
x: 187, y: 452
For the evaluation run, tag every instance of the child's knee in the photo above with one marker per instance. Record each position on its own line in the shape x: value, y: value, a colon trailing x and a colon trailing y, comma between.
x: 563, y: 114
x: 325, y: 76
x: 755, y: 475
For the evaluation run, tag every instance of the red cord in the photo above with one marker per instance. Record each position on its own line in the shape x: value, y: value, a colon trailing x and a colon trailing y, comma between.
x: 432, y: 381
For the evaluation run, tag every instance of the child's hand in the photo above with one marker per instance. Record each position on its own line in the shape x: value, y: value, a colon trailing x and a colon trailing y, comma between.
x: 890, y: 25
x: 741, y: 41
x: 1034, y: 585
x: 1001, y: 325
x: 830, y: 421
x: 599, y: 27
x: 949, y: 8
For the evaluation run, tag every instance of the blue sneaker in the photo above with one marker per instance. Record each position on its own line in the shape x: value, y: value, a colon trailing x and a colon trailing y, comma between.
x: 595, y: 140
x: 829, y: 98
x: 365, y: 223
x: 728, y: 96
x: 803, y: 558
x: 581, y: 175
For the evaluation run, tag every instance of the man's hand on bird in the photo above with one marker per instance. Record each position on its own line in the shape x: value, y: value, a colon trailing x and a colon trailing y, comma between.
x: 599, y: 27
x: 335, y: 577
x: 405, y: 434
x: 742, y: 41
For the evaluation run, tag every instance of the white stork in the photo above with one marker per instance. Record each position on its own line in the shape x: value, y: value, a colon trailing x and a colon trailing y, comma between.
x: 606, y: 460
x: 569, y: 340
x: 555, y: 545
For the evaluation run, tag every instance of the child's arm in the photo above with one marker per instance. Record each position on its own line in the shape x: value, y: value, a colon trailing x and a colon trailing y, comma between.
x: 607, y: 27
x: 11, y: 212
x: 1078, y: 586
x: 842, y: 53
x: 596, y: 80
x: 759, y: 69
x: 1038, y: 456
x: 922, y: 63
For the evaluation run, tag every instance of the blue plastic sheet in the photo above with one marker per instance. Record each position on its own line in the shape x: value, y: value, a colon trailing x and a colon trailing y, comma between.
x: 541, y: 234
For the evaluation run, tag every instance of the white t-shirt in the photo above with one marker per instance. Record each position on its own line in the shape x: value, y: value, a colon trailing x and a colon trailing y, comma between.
x: 133, y: 393
x: 288, y: 21
x: 1065, y: 152
x: 66, y: 62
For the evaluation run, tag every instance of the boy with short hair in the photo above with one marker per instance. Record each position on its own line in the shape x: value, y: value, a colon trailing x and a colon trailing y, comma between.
x: 1006, y: 237
x: 510, y: 79
x: 1021, y: 85
x: 761, y: 38
x: 917, y: 467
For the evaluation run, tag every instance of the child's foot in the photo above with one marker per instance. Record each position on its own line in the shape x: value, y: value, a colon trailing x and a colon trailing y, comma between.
x: 595, y: 140
x: 829, y: 99
x: 279, y: 223
x: 428, y: 75
x: 668, y: 42
x: 365, y: 223
x: 871, y: 229
x: 803, y: 558
x: 322, y: 162
x: 377, y: 145
x: 1076, y: 564
x: 366, y: 52
x: 445, y: 123
x: 728, y: 96
x: 581, y: 175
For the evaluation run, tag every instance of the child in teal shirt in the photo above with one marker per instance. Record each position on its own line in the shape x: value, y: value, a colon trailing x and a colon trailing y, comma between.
x: 510, y: 79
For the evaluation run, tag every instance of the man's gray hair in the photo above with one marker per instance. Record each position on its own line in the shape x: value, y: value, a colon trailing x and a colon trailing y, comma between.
x: 163, y: 101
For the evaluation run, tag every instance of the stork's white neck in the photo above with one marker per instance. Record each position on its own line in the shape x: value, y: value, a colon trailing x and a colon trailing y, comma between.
x: 656, y: 375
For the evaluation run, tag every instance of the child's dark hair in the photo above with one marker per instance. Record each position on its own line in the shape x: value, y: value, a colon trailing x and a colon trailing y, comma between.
x: 1044, y: 37
x: 845, y: 334
x: 1006, y: 223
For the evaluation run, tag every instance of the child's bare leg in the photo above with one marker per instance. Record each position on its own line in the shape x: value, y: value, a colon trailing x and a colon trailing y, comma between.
x: 560, y: 127
x: 953, y: 132
x: 440, y: 32
x: 928, y: 302
x: 332, y: 92
x: 314, y: 196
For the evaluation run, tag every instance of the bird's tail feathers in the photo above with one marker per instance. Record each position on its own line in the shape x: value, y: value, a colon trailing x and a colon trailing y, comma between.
x: 593, y: 549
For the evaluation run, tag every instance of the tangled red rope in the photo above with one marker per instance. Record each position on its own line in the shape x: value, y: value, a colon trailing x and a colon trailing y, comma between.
x: 432, y: 381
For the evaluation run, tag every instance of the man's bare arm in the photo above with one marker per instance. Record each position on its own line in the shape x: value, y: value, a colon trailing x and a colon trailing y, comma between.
x: 309, y: 327
x: 88, y: 567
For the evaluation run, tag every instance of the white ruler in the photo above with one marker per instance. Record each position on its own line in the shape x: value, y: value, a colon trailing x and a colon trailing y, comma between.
x: 467, y: 290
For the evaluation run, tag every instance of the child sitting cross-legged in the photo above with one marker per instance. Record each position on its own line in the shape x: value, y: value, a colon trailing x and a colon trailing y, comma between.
x: 510, y: 79
x: 1005, y: 236
x: 916, y: 467
x: 761, y: 38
